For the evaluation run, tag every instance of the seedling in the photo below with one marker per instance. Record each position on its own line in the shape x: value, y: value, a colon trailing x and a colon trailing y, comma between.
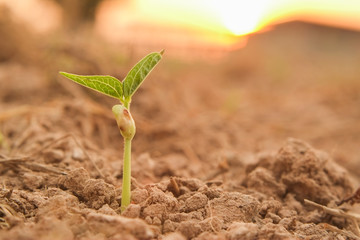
x: 123, y: 91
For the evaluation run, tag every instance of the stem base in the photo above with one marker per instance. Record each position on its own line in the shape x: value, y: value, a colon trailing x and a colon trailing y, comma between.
x: 126, y: 185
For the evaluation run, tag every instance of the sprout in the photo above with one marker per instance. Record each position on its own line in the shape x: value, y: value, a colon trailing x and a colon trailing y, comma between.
x: 123, y: 91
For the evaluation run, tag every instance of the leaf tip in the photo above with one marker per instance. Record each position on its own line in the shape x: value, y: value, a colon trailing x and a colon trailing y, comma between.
x: 162, y: 52
x: 63, y: 73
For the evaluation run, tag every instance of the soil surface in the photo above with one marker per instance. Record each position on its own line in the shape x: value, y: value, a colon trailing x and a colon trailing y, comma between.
x: 224, y: 149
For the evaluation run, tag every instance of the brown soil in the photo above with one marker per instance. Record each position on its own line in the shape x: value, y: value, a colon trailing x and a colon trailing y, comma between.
x: 213, y: 157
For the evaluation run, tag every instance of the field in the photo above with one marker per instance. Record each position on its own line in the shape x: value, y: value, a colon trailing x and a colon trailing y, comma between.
x: 226, y: 148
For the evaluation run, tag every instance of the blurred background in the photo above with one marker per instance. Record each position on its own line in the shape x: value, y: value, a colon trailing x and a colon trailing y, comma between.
x: 237, y: 76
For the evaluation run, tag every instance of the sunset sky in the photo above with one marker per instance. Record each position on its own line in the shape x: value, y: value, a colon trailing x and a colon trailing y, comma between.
x: 241, y: 17
x: 217, y: 17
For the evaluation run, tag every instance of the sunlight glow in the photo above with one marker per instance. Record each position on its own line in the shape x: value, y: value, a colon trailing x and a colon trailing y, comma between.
x: 227, y: 16
x: 189, y: 13
x: 210, y: 24
x: 241, y: 17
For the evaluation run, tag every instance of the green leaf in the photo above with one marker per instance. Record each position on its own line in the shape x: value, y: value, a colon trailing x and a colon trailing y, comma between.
x: 107, y: 85
x: 139, y: 72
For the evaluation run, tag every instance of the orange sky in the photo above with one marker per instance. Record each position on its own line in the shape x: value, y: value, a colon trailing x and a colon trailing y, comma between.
x: 241, y: 17
x: 208, y: 23
x: 221, y: 20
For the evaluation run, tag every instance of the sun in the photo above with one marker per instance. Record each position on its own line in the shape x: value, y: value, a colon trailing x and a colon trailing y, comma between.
x: 219, y: 21
x: 238, y: 17
x: 241, y: 17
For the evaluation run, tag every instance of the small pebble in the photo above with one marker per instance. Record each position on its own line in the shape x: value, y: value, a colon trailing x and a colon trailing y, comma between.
x: 78, y: 154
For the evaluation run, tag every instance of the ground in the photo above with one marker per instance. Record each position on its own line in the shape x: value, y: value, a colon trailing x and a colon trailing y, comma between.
x: 225, y: 149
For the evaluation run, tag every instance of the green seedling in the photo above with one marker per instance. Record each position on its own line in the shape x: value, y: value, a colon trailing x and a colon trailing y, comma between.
x: 123, y: 91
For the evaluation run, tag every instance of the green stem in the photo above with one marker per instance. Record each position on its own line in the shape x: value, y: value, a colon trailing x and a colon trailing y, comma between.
x: 126, y: 188
x: 127, y: 104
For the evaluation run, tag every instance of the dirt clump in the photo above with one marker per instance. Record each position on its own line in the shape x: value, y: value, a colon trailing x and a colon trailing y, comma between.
x: 231, y: 207
x: 299, y: 169
x: 94, y: 192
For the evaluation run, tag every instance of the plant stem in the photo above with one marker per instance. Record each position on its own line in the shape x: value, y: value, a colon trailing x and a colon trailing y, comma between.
x: 126, y: 188
x: 127, y: 104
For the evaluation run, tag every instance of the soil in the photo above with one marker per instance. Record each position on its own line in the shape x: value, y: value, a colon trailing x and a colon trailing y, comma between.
x: 218, y: 152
